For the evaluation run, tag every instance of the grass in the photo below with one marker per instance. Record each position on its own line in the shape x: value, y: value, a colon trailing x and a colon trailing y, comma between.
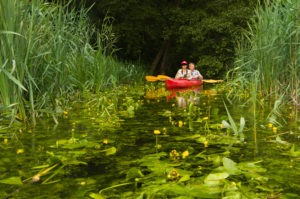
x: 267, y: 58
x: 49, y: 51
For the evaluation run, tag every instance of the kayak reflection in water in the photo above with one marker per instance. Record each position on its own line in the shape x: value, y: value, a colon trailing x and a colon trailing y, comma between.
x: 195, y: 74
x: 184, y: 72
x: 184, y: 98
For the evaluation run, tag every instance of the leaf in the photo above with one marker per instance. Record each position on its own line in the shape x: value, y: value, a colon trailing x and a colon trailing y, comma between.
x: 12, y: 78
x: 215, y: 178
x: 184, y: 178
x: 293, y: 152
x: 226, y: 125
x: 242, y: 124
x: 96, y: 196
x: 233, y: 125
x: 280, y: 141
x: 12, y: 181
x: 110, y: 151
x: 232, y: 195
x: 134, y: 173
x: 230, y: 166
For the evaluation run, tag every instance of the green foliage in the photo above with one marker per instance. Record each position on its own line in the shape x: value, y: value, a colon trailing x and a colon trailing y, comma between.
x: 267, y: 59
x: 48, y: 53
x: 202, y: 31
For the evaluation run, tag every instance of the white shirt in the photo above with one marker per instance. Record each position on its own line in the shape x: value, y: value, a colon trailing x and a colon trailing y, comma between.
x: 195, y: 73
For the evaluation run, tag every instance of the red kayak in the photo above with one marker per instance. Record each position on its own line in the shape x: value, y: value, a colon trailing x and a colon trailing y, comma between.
x: 182, y: 83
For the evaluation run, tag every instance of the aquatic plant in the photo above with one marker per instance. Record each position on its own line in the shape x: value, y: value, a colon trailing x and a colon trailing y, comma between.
x: 233, y: 125
x: 47, y: 55
x: 267, y: 63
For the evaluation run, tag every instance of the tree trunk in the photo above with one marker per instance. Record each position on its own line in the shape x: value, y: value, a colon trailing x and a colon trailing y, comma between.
x: 158, y: 57
x: 165, y: 58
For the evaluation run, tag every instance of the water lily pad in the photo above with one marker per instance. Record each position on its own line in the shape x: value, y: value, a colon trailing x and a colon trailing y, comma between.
x: 215, y: 178
x: 96, y: 196
x: 110, y: 151
x: 184, y: 178
x: 230, y: 166
x: 134, y: 173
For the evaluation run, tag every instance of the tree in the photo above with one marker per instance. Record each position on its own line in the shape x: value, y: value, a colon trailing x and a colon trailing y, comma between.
x: 161, y: 33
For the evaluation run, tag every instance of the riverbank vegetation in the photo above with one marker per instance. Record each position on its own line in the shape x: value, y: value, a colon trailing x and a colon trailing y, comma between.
x: 267, y: 63
x: 50, y: 51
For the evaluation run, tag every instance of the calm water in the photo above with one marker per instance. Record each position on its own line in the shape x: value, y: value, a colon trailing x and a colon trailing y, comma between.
x: 27, y: 152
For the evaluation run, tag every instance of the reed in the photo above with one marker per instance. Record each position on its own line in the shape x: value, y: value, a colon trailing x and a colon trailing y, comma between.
x: 267, y: 60
x: 47, y: 52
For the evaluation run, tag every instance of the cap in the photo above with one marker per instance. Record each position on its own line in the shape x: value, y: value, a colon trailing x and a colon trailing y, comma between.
x: 184, y: 63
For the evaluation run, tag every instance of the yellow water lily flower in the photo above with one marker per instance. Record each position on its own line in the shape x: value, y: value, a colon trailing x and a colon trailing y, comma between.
x: 180, y: 124
x: 274, y: 129
x: 205, y: 143
x: 82, y: 183
x: 105, y: 141
x: 19, y: 151
x: 156, y: 132
x: 205, y: 118
x: 65, y: 112
x: 5, y: 141
x: 270, y: 125
x: 185, y: 154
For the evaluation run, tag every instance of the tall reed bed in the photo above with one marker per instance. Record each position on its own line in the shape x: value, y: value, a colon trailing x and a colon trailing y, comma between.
x: 268, y: 60
x: 50, y: 50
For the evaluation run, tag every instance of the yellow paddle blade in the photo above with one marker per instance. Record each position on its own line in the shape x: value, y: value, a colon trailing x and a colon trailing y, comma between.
x: 151, y: 78
x: 163, y: 77
x: 212, y: 81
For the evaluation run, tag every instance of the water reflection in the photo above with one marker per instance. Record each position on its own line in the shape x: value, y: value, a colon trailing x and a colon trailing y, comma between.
x: 185, y: 96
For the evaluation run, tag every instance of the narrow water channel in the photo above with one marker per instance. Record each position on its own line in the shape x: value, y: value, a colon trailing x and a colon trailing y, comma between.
x: 179, y: 162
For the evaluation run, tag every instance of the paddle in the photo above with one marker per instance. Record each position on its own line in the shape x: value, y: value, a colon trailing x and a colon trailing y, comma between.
x: 164, y: 77
x: 158, y: 78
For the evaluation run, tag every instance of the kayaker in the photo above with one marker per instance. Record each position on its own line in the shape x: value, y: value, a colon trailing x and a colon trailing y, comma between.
x: 184, y: 72
x: 195, y: 74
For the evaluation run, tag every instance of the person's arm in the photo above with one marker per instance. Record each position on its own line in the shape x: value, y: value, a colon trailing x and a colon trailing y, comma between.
x: 199, y: 76
x: 189, y: 75
x: 178, y: 74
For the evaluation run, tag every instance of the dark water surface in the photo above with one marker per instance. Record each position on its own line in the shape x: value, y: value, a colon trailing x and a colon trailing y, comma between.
x: 134, y: 140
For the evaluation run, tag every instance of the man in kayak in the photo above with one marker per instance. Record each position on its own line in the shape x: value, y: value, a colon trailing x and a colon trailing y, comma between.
x: 183, y: 73
x: 195, y: 74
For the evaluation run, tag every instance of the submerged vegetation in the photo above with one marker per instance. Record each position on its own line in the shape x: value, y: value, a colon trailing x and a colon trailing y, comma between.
x: 186, y: 145
x: 49, y: 52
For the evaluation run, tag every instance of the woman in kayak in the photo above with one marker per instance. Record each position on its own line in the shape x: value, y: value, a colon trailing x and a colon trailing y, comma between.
x: 183, y: 73
x: 195, y: 74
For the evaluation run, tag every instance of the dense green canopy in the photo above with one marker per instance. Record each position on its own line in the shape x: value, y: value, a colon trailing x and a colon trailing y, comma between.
x: 161, y: 33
